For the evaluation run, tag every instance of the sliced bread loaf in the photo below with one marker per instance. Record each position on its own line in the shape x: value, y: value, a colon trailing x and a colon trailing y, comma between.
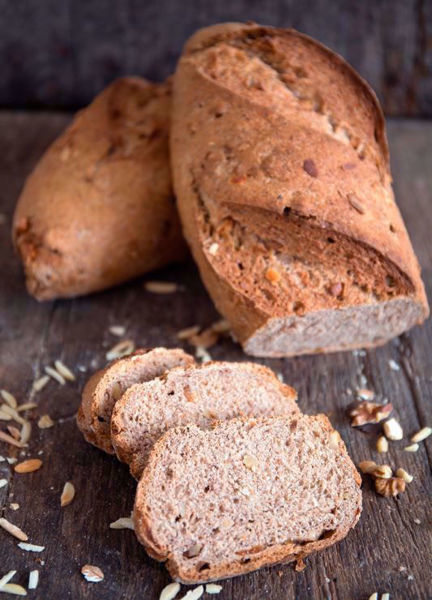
x: 289, y: 212
x: 246, y: 494
x: 214, y: 391
x: 105, y: 387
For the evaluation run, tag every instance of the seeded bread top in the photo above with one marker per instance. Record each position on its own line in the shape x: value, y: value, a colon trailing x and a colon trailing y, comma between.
x: 327, y: 166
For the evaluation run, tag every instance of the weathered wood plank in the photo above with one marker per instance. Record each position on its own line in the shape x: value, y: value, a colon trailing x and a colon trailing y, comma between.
x: 60, y: 54
x: 388, y: 551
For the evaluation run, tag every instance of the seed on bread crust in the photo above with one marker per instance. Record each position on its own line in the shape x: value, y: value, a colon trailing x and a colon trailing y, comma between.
x: 310, y: 167
x: 250, y: 462
x: 273, y: 276
x: 355, y: 203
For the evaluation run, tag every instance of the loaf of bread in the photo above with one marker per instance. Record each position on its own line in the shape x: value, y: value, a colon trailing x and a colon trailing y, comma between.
x: 246, y: 494
x: 281, y: 171
x: 201, y: 395
x: 106, y: 387
x: 98, y: 209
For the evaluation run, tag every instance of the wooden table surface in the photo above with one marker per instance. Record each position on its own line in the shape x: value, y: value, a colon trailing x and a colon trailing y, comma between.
x: 389, y: 550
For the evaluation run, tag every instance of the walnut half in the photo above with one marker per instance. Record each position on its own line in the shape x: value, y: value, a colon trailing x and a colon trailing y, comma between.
x: 369, y: 412
x: 390, y: 487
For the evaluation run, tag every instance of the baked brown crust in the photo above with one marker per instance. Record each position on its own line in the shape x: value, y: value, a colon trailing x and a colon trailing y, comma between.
x: 277, y: 143
x: 280, y: 553
x: 98, y: 209
x: 94, y: 414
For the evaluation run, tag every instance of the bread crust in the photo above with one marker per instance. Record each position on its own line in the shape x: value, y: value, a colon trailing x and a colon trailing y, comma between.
x: 98, y: 209
x: 327, y: 169
x: 97, y: 432
x: 280, y: 553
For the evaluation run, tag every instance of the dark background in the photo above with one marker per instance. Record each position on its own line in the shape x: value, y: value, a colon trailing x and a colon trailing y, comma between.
x: 61, y: 53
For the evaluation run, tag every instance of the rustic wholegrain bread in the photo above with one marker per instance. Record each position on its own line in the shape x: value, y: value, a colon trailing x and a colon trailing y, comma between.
x: 213, y: 391
x: 105, y: 387
x: 281, y: 171
x: 98, y: 209
x: 247, y: 494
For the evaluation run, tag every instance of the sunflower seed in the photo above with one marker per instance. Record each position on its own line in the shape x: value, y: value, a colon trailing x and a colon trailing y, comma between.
x: 45, y: 422
x: 9, y: 398
x: 13, y: 529
x: 392, y: 429
x: 55, y: 375
x: 6, y: 578
x: 117, y: 330
x: 421, y: 435
x: 28, y: 466
x: 33, y: 579
x: 121, y: 349
x: 213, y: 588
x: 64, y: 371
x: 40, y: 383
x: 31, y: 547
x: 68, y: 494
x: 14, y: 588
x: 170, y: 591
x: 122, y: 523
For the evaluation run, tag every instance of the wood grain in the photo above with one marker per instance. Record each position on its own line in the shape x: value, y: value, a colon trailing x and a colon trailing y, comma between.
x: 61, y: 54
x: 389, y: 551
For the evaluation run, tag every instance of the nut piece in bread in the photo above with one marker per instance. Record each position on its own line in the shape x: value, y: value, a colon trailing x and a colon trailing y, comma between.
x: 98, y: 209
x: 200, y: 507
x: 201, y: 395
x: 281, y: 171
x: 105, y: 388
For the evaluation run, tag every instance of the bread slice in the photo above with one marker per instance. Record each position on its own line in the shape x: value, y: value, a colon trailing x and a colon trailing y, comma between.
x: 105, y: 387
x: 246, y: 494
x: 290, y: 212
x: 98, y: 209
x: 213, y: 391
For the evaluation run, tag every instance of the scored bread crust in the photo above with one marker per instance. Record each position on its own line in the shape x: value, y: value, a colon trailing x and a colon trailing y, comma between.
x: 277, y: 554
x: 127, y: 448
x: 141, y: 365
x: 98, y: 209
x: 297, y: 171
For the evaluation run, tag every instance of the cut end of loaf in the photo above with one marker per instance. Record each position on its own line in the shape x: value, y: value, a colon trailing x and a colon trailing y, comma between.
x: 335, y: 330
x: 246, y: 494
